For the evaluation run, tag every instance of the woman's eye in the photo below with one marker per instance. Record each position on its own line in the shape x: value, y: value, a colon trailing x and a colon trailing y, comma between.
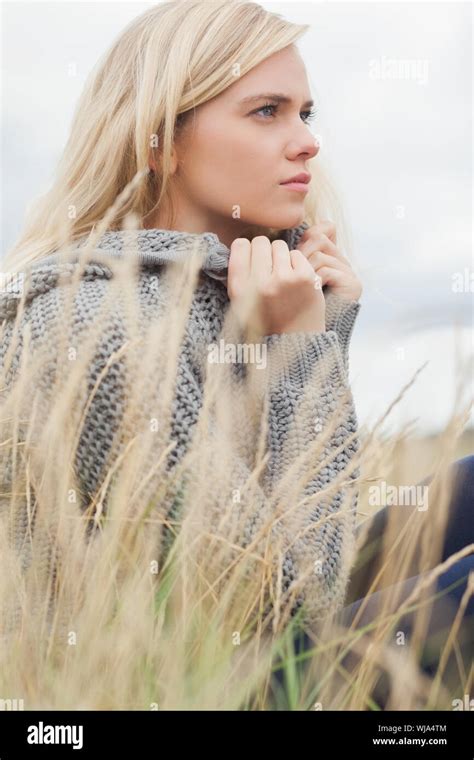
x: 310, y: 115
x: 307, y: 116
x: 264, y: 108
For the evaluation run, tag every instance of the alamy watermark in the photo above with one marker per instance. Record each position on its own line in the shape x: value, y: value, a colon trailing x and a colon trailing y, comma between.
x: 399, y: 68
x: 243, y: 353
x: 463, y: 282
x: 11, y: 704
x: 466, y: 703
x: 387, y: 495
x: 48, y: 734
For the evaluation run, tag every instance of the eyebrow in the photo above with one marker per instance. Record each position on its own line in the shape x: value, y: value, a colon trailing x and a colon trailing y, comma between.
x: 279, y: 97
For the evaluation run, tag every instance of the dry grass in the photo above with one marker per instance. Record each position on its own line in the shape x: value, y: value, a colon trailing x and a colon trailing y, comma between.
x: 110, y: 623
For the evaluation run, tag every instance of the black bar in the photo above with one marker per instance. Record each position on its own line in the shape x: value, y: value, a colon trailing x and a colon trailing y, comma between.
x: 424, y: 734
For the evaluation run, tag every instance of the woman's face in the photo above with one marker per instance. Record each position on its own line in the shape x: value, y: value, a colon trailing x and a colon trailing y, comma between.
x: 232, y: 159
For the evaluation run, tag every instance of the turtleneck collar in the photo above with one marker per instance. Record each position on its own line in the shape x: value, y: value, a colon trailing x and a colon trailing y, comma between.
x: 155, y: 247
x: 158, y: 246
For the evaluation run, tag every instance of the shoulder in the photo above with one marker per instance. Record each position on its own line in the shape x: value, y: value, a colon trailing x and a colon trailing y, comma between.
x: 51, y: 308
x: 43, y: 295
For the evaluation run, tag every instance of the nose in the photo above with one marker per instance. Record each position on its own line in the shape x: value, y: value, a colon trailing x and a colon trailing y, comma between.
x: 304, y: 143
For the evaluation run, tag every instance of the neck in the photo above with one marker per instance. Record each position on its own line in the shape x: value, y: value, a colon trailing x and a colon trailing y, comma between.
x: 192, y: 220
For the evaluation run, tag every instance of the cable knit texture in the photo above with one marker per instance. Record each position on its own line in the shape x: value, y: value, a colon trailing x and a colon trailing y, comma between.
x: 305, y: 384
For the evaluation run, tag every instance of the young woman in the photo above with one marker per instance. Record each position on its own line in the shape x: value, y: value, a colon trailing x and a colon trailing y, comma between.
x: 201, y: 140
x: 196, y: 123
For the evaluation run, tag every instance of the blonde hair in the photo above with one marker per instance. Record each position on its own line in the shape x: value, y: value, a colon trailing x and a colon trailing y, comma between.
x: 166, y: 62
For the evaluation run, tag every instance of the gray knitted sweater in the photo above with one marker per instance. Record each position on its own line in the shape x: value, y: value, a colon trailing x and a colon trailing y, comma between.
x: 306, y: 383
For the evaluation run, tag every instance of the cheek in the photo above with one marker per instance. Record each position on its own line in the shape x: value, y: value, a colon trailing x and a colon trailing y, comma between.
x: 235, y: 153
x: 219, y: 171
x: 209, y: 158
x: 224, y: 166
x: 253, y: 155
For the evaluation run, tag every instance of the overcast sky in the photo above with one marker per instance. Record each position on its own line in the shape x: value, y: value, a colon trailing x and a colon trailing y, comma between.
x: 393, y: 84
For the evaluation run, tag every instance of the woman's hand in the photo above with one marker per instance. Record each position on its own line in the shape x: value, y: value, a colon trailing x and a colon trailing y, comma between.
x: 318, y: 245
x: 272, y: 289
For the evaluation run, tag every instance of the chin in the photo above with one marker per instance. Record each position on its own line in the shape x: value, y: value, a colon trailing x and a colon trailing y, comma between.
x: 282, y: 220
x: 288, y: 218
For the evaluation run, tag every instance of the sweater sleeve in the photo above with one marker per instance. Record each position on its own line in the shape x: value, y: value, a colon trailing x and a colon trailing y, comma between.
x: 312, y: 440
x: 302, y: 441
x: 341, y: 314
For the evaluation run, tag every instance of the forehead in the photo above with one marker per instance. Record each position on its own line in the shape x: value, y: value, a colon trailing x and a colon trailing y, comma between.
x: 283, y: 72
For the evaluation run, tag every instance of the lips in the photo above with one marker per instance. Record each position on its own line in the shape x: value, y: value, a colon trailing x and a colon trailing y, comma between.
x: 302, y: 178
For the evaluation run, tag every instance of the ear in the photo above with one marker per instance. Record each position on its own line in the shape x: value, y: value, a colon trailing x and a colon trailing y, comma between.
x: 155, y: 166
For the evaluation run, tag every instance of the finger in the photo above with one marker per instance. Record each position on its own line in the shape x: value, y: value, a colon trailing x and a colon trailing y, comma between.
x: 300, y: 263
x: 326, y: 227
x: 322, y: 243
x: 281, y: 259
x: 316, y: 239
x: 318, y: 259
x: 261, y: 261
x: 239, y: 261
x: 331, y: 276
